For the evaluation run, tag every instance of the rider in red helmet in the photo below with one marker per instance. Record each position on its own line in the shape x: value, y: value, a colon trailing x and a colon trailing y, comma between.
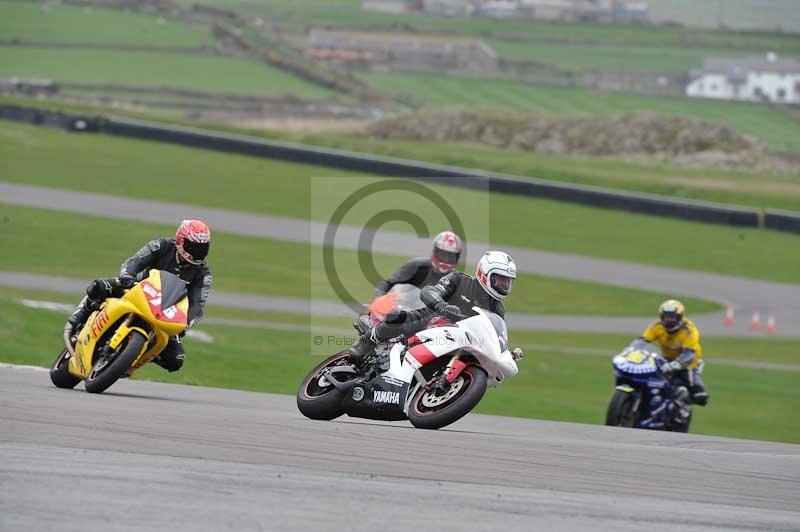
x: 185, y: 256
x: 426, y: 271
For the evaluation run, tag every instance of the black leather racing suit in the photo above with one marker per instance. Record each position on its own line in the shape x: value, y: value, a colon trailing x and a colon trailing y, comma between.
x: 418, y: 272
x: 160, y: 254
x: 455, y: 288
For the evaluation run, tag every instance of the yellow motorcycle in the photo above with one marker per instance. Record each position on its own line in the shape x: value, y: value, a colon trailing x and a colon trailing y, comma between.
x: 124, y: 334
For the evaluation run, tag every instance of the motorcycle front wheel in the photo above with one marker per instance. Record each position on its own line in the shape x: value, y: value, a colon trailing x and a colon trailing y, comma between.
x: 429, y: 410
x: 59, y: 372
x: 107, y: 370
x: 620, y: 411
x: 317, y: 397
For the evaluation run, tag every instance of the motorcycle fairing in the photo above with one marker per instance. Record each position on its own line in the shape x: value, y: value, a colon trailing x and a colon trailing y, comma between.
x: 381, y: 398
x: 137, y: 302
x: 475, y: 335
x: 111, y: 312
x: 636, y: 372
x: 155, y: 298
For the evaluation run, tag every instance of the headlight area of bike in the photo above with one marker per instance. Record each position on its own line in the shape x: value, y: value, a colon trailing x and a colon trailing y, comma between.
x: 500, y: 328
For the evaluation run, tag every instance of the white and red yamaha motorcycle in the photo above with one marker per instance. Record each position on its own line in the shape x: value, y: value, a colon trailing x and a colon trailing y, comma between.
x: 432, y: 379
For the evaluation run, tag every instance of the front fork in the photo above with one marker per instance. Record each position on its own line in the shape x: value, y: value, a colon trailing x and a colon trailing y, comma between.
x: 451, y: 372
x: 435, y: 384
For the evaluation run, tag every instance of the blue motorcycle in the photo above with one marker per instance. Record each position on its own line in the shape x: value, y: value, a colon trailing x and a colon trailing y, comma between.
x: 646, y: 398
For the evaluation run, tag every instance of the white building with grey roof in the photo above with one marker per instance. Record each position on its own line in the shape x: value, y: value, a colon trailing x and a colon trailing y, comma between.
x: 757, y: 79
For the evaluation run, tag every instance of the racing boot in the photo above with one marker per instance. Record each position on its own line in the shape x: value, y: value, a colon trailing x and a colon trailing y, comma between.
x: 364, y: 346
x: 78, y: 318
x: 683, y: 404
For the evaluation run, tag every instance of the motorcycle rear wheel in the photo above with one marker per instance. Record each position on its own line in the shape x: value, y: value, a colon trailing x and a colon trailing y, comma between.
x: 620, y: 410
x: 59, y: 372
x: 317, y: 401
x: 101, y: 377
x: 429, y: 411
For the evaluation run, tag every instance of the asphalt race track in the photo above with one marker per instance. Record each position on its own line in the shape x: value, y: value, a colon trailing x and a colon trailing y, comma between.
x: 150, y: 456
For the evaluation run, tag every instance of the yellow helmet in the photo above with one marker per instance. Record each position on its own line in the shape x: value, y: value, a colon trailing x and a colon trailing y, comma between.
x: 671, y: 313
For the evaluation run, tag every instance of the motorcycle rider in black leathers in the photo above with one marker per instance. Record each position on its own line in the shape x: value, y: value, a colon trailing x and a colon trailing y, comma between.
x: 184, y: 256
x: 424, y: 271
x: 452, y: 297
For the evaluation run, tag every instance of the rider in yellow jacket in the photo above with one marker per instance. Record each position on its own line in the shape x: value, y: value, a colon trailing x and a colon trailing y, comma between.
x: 679, y: 340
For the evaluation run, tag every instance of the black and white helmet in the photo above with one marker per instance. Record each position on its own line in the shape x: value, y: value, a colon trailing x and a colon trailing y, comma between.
x: 496, y: 273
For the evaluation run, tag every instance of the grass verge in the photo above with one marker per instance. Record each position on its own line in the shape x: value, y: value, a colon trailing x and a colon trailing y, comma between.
x: 187, y: 71
x: 719, y: 185
x: 271, y: 267
x: 165, y: 172
x: 53, y: 22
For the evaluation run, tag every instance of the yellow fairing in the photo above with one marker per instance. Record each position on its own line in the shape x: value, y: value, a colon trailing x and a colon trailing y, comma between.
x: 121, y: 311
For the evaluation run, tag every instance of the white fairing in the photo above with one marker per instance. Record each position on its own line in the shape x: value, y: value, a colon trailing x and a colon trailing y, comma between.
x: 476, y: 335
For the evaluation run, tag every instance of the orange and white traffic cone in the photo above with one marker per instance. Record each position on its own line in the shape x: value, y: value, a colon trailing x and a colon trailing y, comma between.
x: 771, y: 328
x: 755, y: 323
x: 729, y: 319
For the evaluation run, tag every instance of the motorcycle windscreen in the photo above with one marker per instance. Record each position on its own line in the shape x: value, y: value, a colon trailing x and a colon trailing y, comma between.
x: 173, y: 289
x: 500, y: 328
x: 635, y: 362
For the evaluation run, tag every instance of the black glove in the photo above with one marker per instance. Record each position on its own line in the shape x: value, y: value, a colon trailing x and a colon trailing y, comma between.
x: 126, y: 280
x: 451, y: 312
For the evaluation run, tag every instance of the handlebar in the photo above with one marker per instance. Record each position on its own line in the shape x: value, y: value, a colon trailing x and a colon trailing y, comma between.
x: 451, y: 312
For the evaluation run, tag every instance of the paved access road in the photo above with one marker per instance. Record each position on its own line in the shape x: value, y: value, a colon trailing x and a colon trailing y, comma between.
x: 150, y: 456
x: 782, y: 300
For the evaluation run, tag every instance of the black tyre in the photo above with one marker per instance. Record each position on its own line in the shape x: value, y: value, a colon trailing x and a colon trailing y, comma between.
x: 682, y: 427
x: 431, y: 411
x: 620, y: 410
x: 106, y: 371
x: 59, y: 373
x: 317, y: 398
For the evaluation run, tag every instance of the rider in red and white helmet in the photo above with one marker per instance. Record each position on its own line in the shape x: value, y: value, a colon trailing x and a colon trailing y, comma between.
x: 454, y: 296
x: 184, y: 256
x: 496, y: 272
x: 425, y: 271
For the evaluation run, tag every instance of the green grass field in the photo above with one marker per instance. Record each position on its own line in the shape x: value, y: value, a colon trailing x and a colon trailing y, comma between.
x: 776, y: 128
x: 34, y: 21
x: 611, y: 56
x: 270, y: 267
x: 296, y: 15
x: 187, y: 71
x: 749, y: 189
x: 720, y: 186
x: 745, y: 403
x: 158, y: 171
